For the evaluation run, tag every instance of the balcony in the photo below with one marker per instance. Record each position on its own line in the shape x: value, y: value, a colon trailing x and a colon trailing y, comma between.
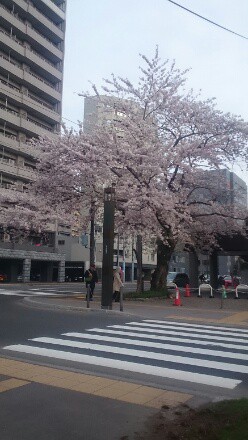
x: 29, y: 79
x: 46, y: 45
x: 50, y: 9
x: 41, y: 86
x: 29, y: 103
x: 44, y: 66
x: 29, y: 126
x: 11, y: 169
x: 33, y: 36
x: 28, y: 55
x: 16, y: 146
x: 38, y: 19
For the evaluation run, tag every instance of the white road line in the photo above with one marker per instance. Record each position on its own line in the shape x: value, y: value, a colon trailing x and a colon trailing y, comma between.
x: 35, y: 288
x: 204, y: 351
x: 192, y: 330
x: 42, y: 293
x: 156, y: 331
x: 210, y: 327
x: 146, y: 354
x: 23, y: 293
x: 222, y: 382
x: 11, y: 293
x: 170, y: 338
x: 44, y: 288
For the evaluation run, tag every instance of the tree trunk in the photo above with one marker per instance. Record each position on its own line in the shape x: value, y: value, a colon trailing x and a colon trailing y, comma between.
x: 159, y: 277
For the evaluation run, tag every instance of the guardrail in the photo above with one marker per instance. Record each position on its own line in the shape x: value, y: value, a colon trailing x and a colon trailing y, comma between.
x: 205, y: 287
x: 240, y: 287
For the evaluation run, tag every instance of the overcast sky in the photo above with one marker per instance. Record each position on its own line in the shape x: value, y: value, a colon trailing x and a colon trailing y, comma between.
x: 106, y: 36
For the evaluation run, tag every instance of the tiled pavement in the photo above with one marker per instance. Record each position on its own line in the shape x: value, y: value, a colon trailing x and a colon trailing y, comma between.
x: 16, y: 374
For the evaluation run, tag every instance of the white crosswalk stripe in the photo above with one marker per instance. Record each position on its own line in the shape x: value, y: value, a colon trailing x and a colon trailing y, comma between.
x: 162, y: 346
x: 175, y: 332
x: 190, y: 330
x: 174, y: 339
x: 147, y: 347
x: 208, y: 327
x: 23, y: 293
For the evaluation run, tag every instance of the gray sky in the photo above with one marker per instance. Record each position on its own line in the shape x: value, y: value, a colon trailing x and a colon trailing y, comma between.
x: 106, y: 36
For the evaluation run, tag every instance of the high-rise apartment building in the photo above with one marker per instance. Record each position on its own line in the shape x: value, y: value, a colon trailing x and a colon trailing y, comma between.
x: 32, y: 37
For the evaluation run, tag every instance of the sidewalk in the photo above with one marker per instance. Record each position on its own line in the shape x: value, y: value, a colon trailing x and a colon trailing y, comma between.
x: 201, y: 310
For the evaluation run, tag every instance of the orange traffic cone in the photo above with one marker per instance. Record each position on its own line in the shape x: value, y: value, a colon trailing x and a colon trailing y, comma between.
x: 177, y: 300
x: 187, y: 291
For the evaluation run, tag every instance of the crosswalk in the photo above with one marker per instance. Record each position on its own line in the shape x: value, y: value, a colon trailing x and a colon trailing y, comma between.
x: 29, y: 292
x: 209, y: 355
x: 40, y: 291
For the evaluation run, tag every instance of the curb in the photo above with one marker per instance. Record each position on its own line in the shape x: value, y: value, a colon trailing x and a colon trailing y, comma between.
x: 38, y: 304
x: 134, y: 312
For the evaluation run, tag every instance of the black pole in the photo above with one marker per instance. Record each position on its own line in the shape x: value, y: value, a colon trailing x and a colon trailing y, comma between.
x: 139, y: 252
x: 108, y: 248
x: 92, y: 233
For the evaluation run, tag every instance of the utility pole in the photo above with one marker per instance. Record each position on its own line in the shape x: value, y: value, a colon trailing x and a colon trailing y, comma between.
x: 108, y: 248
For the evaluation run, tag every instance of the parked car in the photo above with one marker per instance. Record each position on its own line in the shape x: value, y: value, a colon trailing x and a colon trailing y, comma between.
x: 171, y: 277
x: 3, y: 277
x: 181, y: 279
x: 229, y: 281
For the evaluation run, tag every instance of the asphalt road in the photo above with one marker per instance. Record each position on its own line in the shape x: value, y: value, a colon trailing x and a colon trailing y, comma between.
x: 207, y: 363
x: 20, y: 323
x: 47, y: 412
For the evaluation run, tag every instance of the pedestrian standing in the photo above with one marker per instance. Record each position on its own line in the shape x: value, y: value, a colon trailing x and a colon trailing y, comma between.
x: 121, y: 274
x: 117, y: 284
x: 91, y: 279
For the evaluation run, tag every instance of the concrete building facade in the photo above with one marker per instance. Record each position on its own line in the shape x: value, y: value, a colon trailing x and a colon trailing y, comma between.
x: 32, y: 35
x: 231, y: 191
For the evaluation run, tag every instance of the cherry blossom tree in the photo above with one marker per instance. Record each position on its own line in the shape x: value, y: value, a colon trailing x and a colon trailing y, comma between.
x: 162, y: 145
x: 159, y: 144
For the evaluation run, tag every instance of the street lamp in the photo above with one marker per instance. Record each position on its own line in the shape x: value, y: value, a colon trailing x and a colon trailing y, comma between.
x: 108, y: 248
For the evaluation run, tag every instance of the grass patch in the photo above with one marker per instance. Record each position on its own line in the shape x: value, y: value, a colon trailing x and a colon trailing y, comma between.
x: 227, y: 420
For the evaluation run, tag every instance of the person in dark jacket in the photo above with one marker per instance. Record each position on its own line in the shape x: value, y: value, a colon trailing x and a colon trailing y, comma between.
x: 221, y: 281
x: 91, y: 279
